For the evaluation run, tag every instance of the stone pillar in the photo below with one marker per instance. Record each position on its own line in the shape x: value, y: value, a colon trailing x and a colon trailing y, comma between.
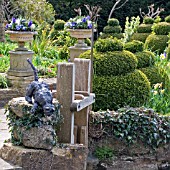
x: 65, y: 96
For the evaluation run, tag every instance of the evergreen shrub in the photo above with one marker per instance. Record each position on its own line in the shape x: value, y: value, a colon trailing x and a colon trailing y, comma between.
x: 167, y: 19
x: 111, y: 35
x: 161, y: 28
x: 148, y: 20
x: 144, y: 28
x: 134, y: 46
x: 111, y: 29
x: 140, y: 36
x: 113, y: 22
x: 59, y: 24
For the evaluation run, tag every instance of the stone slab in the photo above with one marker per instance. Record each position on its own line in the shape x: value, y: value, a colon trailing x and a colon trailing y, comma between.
x: 6, y: 166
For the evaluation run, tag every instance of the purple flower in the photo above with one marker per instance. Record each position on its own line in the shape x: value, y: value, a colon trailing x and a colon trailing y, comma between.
x: 165, y: 54
x: 18, y: 27
x: 88, y: 17
x: 29, y: 23
x: 89, y: 25
x: 13, y: 20
x: 73, y: 24
x: 84, y: 20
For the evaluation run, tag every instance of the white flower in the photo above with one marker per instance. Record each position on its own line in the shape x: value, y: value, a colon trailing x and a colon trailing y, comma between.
x: 18, y: 21
x: 32, y: 27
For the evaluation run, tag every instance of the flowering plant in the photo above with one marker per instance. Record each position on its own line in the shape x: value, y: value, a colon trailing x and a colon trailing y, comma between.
x: 20, y: 24
x: 79, y: 22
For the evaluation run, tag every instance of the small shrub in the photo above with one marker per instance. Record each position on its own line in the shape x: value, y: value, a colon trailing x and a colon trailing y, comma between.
x: 156, y: 43
x: 103, y: 153
x: 111, y: 35
x: 109, y: 44
x: 161, y: 28
x: 4, y: 83
x: 134, y: 46
x: 113, y: 22
x: 148, y: 20
x: 111, y: 29
x: 59, y: 24
x: 167, y: 19
x: 144, y: 28
x: 140, y: 36
x: 145, y: 59
x: 63, y: 53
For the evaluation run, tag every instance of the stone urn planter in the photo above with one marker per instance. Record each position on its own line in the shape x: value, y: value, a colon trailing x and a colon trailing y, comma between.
x: 80, y: 34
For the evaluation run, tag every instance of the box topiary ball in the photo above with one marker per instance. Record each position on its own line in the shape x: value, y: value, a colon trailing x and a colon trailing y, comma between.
x: 161, y: 28
x: 111, y: 29
x: 134, y: 46
x: 148, y: 20
x: 140, y: 36
x: 144, y: 28
x: 167, y: 19
x: 156, y: 43
x: 113, y: 22
x: 109, y: 44
x: 145, y: 59
x: 113, y: 92
x: 59, y: 24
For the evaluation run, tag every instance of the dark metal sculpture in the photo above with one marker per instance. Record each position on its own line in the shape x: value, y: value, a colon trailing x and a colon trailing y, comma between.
x: 41, y: 94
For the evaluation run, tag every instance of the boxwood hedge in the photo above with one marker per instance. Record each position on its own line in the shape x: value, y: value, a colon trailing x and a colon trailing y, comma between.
x: 134, y: 46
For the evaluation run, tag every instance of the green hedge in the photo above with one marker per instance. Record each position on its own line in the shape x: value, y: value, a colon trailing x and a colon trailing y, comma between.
x: 112, y: 29
x: 140, y: 36
x: 161, y: 28
x: 113, y: 22
x: 109, y: 44
x: 148, y: 20
x: 144, y: 28
x: 134, y: 46
x: 59, y: 24
x: 156, y: 43
x: 145, y: 59
x: 113, y: 92
x: 111, y: 35
x: 167, y: 19
x: 155, y: 75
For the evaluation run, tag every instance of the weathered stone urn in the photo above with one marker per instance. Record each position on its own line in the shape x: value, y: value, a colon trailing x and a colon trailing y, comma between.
x: 81, y: 46
x: 20, y: 73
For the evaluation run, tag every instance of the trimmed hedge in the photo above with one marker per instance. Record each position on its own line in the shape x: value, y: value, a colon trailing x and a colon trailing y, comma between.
x: 111, y: 29
x: 148, y: 20
x: 134, y: 46
x: 156, y: 43
x: 155, y: 75
x: 111, y: 35
x: 59, y: 24
x: 167, y: 19
x: 140, y: 36
x: 144, y: 28
x: 161, y: 28
x: 113, y: 92
x: 113, y: 22
x: 145, y: 59
x: 109, y: 44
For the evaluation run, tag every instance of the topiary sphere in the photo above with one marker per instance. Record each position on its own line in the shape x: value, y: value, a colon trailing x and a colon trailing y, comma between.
x: 144, y: 28
x: 111, y: 29
x: 156, y: 43
x: 161, y: 28
x: 59, y: 24
x: 148, y: 20
x: 111, y: 35
x: 113, y: 22
x: 145, y: 59
x: 155, y: 75
x: 167, y: 19
x: 109, y: 44
x: 113, y: 92
x: 140, y: 36
x: 134, y: 46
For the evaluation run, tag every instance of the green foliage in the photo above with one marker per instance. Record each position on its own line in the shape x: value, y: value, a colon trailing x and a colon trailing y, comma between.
x: 168, y: 51
x: 167, y: 19
x: 6, y: 47
x: 140, y: 36
x: 59, y: 24
x: 109, y: 44
x: 111, y: 35
x: 148, y: 20
x: 145, y: 59
x: 156, y: 43
x: 134, y: 124
x: 159, y: 99
x: 113, y: 92
x: 161, y: 28
x: 130, y: 27
x: 134, y: 46
x: 155, y: 75
x: 103, y: 153
x: 64, y: 52
x: 144, y: 28
x: 111, y: 29
x: 4, y: 83
x: 113, y: 22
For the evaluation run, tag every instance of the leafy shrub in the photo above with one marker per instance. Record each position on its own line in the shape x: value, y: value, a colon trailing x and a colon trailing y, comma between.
x: 148, y: 20
x: 4, y: 83
x: 103, y: 153
x: 156, y: 43
x: 140, y: 36
x: 167, y: 19
x: 134, y: 46
x: 113, y: 22
x: 144, y: 28
x: 63, y: 52
x: 111, y: 35
x: 132, y: 125
x: 109, y: 44
x: 59, y: 24
x: 155, y: 75
x: 111, y: 29
x: 161, y: 28
x: 113, y: 92
x: 145, y: 59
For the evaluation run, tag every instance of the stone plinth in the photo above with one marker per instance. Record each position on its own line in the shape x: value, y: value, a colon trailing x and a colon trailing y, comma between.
x: 76, y: 51
x: 68, y: 157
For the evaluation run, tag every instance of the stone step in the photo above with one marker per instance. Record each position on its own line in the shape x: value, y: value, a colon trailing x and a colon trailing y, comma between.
x: 6, y: 166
